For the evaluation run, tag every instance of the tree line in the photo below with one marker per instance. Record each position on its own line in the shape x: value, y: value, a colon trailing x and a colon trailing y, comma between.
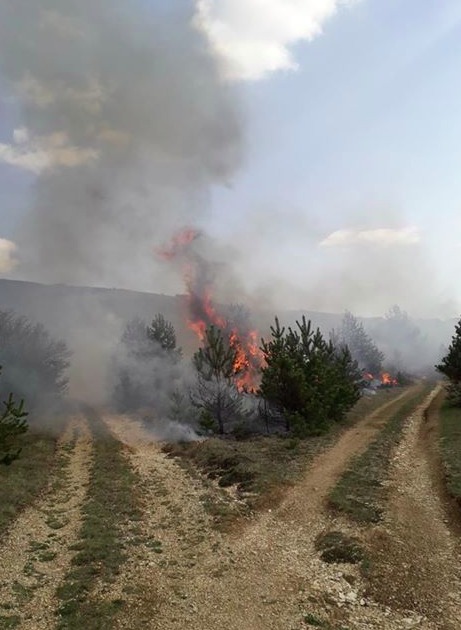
x: 307, y: 381
x: 33, y: 368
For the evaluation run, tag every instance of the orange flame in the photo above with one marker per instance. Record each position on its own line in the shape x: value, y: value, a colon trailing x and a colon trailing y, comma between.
x: 178, y: 243
x: 387, y: 379
x: 202, y: 311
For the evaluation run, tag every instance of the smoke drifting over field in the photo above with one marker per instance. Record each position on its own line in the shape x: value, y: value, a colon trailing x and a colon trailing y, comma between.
x: 126, y: 123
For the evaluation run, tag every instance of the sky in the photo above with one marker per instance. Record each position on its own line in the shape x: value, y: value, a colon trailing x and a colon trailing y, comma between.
x: 346, y: 192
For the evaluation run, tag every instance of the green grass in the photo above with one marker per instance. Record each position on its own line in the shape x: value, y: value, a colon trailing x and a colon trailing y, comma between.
x: 360, y: 492
x: 110, y: 509
x: 315, y: 621
x: 337, y: 547
x: 9, y: 621
x: 261, y: 467
x: 27, y: 476
x: 450, y: 437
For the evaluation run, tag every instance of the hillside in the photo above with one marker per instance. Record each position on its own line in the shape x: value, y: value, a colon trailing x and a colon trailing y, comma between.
x: 61, y: 307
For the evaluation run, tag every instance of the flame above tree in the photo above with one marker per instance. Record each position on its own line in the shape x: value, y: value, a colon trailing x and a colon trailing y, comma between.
x: 203, y: 311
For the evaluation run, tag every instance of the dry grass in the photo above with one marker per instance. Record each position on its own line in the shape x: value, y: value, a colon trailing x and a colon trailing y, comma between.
x: 23, y: 480
x: 260, y: 467
x: 110, y: 508
x: 450, y: 436
x: 360, y: 492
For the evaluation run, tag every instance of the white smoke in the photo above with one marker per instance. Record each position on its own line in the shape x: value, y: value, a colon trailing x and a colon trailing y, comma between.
x: 7, y: 256
x: 127, y: 124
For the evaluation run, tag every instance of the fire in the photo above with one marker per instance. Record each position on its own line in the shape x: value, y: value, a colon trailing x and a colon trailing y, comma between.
x: 203, y: 311
x: 179, y: 241
x: 387, y: 379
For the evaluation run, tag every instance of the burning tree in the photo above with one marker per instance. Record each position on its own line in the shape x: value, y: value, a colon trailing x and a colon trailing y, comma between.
x: 307, y: 379
x: 203, y: 311
x: 12, y: 424
x: 216, y: 393
x: 450, y: 366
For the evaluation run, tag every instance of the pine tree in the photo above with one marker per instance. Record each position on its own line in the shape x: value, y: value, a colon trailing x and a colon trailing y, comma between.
x: 12, y: 424
x: 450, y: 366
x: 162, y: 333
x: 146, y: 364
x: 216, y: 394
x: 306, y: 378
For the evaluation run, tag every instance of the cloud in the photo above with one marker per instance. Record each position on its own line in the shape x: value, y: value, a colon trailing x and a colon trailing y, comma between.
x: 253, y: 37
x: 384, y: 237
x: 7, y: 251
x: 43, y: 153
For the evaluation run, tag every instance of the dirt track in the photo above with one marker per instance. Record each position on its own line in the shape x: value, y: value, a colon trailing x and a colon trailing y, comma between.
x: 182, y: 573
x: 269, y: 576
x: 35, y: 555
x: 417, y: 549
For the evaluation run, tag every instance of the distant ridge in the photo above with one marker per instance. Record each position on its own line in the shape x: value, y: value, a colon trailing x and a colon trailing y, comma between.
x: 62, y: 307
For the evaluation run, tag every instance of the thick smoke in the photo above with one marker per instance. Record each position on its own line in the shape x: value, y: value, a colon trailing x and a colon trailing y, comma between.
x: 129, y: 125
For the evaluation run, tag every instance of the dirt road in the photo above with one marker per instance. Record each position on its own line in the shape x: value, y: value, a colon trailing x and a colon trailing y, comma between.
x: 417, y: 549
x: 35, y: 554
x: 269, y: 576
x: 183, y: 573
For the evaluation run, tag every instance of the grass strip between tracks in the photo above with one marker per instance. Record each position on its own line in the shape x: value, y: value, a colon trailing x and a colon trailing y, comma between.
x: 450, y: 439
x: 360, y: 492
x: 261, y: 467
x: 111, y: 509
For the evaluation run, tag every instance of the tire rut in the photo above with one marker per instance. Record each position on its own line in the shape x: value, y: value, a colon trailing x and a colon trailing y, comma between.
x: 35, y: 554
x: 417, y: 550
x: 267, y: 577
x: 176, y: 538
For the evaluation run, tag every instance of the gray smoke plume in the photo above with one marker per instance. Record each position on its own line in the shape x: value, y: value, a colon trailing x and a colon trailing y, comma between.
x: 127, y: 124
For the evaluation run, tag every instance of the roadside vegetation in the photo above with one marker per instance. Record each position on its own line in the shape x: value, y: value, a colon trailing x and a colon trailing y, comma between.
x: 27, y: 476
x: 450, y: 416
x: 34, y: 367
x: 110, y: 515
x: 261, y: 467
x: 450, y: 436
x: 21, y: 482
x: 35, y: 364
x: 360, y: 492
x: 13, y: 423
